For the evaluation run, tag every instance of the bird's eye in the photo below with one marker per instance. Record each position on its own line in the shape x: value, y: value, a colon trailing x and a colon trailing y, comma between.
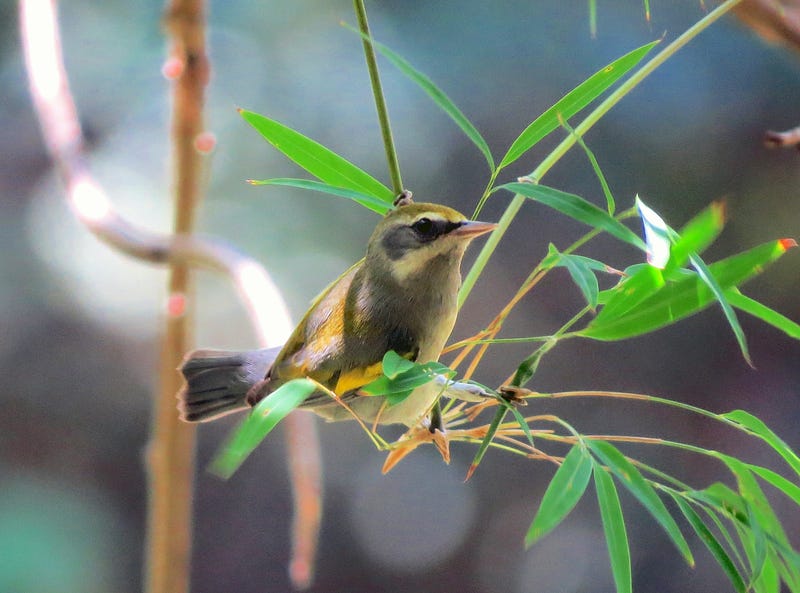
x: 425, y: 228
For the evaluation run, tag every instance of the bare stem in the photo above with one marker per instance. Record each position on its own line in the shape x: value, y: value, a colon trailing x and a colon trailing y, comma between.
x: 380, y: 101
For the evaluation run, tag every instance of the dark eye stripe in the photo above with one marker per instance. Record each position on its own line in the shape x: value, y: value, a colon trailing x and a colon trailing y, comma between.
x: 428, y: 230
x: 400, y: 239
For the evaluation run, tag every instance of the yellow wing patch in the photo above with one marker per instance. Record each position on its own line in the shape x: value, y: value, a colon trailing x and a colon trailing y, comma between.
x: 356, y: 378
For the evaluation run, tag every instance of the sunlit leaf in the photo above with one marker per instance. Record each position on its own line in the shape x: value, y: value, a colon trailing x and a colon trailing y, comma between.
x: 259, y: 423
x: 323, y: 163
x: 657, y: 235
x: 573, y: 102
x: 761, y: 430
x: 565, y: 490
x: 614, y: 528
x: 630, y: 477
x: 371, y: 202
x: 575, y: 207
x: 678, y: 299
x: 714, y: 546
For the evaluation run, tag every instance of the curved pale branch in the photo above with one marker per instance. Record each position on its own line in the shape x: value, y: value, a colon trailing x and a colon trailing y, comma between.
x: 90, y: 203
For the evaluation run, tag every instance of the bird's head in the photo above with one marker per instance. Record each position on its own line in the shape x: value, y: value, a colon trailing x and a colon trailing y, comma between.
x: 413, y: 237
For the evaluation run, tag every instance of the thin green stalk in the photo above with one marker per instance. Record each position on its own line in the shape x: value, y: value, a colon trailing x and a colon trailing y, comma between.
x: 614, y: 98
x: 642, y: 397
x: 380, y: 101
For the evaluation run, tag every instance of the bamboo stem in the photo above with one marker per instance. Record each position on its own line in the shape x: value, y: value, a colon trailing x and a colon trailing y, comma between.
x: 171, y: 460
x: 380, y: 101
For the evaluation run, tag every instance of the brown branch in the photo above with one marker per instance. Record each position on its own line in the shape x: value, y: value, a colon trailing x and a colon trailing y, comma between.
x: 787, y: 139
x: 777, y: 21
x: 169, y: 526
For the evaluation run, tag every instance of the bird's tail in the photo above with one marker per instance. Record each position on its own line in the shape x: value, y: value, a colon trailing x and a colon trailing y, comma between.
x: 217, y: 381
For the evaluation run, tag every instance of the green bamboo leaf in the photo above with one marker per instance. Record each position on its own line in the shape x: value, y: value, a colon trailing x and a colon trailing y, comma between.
x: 575, y: 207
x: 696, y: 235
x: 368, y: 201
x: 580, y: 270
x: 711, y: 282
x: 761, y: 430
x: 764, y: 524
x: 614, y: 527
x: 393, y: 364
x: 790, y: 489
x: 678, y: 299
x: 573, y: 102
x: 565, y: 490
x: 259, y: 423
x: 762, y: 312
x: 323, y: 163
x: 712, y: 543
x: 769, y: 580
x: 487, y: 440
x: 640, y: 283
x: 611, y: 205
x: 436, y: 94
x: 752, y: 493
x: 630, y: 477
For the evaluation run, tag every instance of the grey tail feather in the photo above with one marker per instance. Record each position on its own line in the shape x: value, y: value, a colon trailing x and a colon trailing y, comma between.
x: 217, y: 381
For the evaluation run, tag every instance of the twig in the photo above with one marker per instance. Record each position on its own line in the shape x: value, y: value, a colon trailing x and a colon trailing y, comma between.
x: 777, y: 22
x: 787, y: 139
x: 88, y: 201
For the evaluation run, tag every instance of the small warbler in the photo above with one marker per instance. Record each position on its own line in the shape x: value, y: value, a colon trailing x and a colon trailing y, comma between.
x: 402, y: 296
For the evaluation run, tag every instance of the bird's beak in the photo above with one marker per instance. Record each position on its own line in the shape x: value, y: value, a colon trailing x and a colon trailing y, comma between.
x: 470, y: 229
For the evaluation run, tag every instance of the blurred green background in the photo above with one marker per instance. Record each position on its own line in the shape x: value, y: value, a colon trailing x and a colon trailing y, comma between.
x: 80, y: 324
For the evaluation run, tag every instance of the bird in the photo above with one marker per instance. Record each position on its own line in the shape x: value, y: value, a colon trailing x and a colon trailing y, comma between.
x: 402, y: 296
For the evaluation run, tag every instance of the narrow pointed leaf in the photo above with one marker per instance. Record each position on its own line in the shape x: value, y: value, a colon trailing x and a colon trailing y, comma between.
x: 573, y: 102
x: 565, y: 490
x: 487, y: 440
x: 711, y: 282
x: 696, y: 235
x: 575, y: 207
x: 763, y: 522
x: 790, y: 489
x: 323, y: 163
x: 521, y: 421
x: 368, y: 201
x: 712, y: 543
x: 680, y: 298
x: 437, y: 95
x: 259, y: 423
x: 761, y: 430
x: 614, y: 528
x: 580, y: 270
x: 764, y: 313
x: 633, y: 480
x: 611, y: 205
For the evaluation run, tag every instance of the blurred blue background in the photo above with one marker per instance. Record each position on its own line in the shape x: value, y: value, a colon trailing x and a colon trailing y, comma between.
x: 80, y: 324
